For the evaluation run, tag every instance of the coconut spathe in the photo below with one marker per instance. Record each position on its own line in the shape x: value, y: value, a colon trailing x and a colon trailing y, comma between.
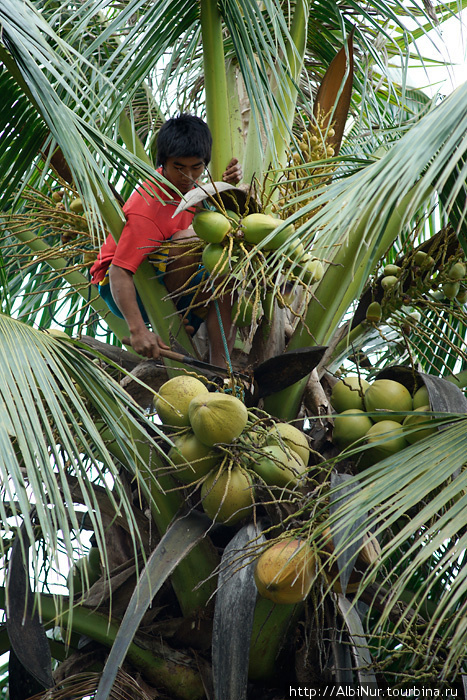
x: 217, y: 418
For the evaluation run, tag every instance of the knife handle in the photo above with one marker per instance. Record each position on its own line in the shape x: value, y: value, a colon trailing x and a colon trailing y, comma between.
x: 169, y: 354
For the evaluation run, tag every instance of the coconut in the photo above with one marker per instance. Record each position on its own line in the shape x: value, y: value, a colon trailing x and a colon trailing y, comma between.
x: 76, y: 206
x: 388, y: 282
x: 457, y: 272
x: 227, y: 497
x: 392, y: 270
x: 174, y: 398
x: 348, y: 393
x: 211, y: 226
x: 243, y: 312
x: 390, y: 436
x: 281, y: 237
x: 285, y: 572
x: 192, y: 459
x: 451, y: 289
x: 257, y: 226
x: 217, y: 418
x: 277, y: 468
x: 425, y: 429
x: 291, y: 437
x: 386, y: 395
x: 374, y: 312
x: 313, y: 270
x: 421, y: 398
x: 215, y: 258
x: 350, y: 426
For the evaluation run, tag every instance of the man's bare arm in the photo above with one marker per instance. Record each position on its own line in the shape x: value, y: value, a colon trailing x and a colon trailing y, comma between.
x: 122, y: 286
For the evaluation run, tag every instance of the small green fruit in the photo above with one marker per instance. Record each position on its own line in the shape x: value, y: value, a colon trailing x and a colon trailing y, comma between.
x: 421, y: 398
x: 227, y: 497
x: 350, y: 426
x: 192, y: 459
x: 390, y: 435
x: 243, y: 312
x: 387, y: 395
x: 277, y: 468
x: 392, y: 270
x: 215, y: 259
x: 423, y: 260
x: 374, y: 312
x: 211, y: 226
x: 457, y: 272
x: 348, y: 393
x: 412, y: 421
x: 76, y: 206
x: 451, y: 289
x: 389, y: 282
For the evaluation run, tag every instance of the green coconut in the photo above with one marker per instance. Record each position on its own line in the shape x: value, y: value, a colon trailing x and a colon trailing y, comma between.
x: 215, y: 258
x: 350, y: 426
x: 227, y: 497
x: 424, y: 431
x: 388, y: 282
x: 421, y: 398
x: 257, y: 226
x: 291, y: 437
x: 279, y: 468
x: 387, y: 395
x: 313, y: 270
x: 280, y: 238
x: 211, y: 226
x: 174, y: 398
x: 217, y: 418
x: 374, y: 312
x: 348, y: 393
x: 243, y: 311
x: 457, y: 272
x: 451, y: 289
x: 391, y: 270
x: 389, y: 435
x: 191, y: 459
x: 76, y: 206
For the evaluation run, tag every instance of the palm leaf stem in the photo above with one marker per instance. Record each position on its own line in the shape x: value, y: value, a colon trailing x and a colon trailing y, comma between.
x: 180, y: 679
x: 215, y: 83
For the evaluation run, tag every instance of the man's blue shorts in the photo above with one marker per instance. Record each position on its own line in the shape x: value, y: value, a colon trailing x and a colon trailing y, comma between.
x: 182, y: 303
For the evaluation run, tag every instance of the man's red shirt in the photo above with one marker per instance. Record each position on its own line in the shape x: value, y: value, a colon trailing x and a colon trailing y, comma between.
x: 148, y: 223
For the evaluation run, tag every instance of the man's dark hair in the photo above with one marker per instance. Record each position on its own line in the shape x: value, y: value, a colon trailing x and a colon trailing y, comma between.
x: 184, y: 136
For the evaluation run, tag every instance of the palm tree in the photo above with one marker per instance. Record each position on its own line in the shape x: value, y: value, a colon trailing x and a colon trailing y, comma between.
x: 369, y: 172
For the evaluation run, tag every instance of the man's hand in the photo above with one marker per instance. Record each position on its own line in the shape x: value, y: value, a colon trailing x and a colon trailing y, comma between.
x: 233, y: 173
x: 146, y: 343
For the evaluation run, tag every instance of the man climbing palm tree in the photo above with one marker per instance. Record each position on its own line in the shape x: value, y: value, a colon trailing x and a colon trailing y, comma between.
x: 183, y: 152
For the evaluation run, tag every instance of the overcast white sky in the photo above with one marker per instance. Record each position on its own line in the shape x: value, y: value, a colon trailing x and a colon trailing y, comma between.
x: 452, y: 46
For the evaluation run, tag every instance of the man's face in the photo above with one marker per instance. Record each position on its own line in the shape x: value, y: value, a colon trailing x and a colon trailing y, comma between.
x: 183, y: 172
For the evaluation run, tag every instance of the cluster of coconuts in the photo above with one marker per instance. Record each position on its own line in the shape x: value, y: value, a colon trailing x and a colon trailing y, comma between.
x: 228, y: 236
x: 382, y: 414
x: 447, y: 285
x: 206, y: 420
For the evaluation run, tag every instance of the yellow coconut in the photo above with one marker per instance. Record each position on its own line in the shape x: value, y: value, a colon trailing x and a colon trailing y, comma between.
x: 285, y: 572
x: 227, y: 497
x: 385, y: 397
x: 175, y: 397
x: 217, y: 418
x: 211, y: 226
x: 277, y: 467
x: 291, y: 437
x: 348, y: 393
x: 191, y: 459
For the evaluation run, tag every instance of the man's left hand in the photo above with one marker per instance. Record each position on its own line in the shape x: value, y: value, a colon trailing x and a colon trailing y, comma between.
x: 233, y: 173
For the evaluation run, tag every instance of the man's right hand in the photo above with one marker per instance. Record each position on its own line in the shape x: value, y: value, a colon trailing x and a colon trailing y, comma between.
x: 146, y: 343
